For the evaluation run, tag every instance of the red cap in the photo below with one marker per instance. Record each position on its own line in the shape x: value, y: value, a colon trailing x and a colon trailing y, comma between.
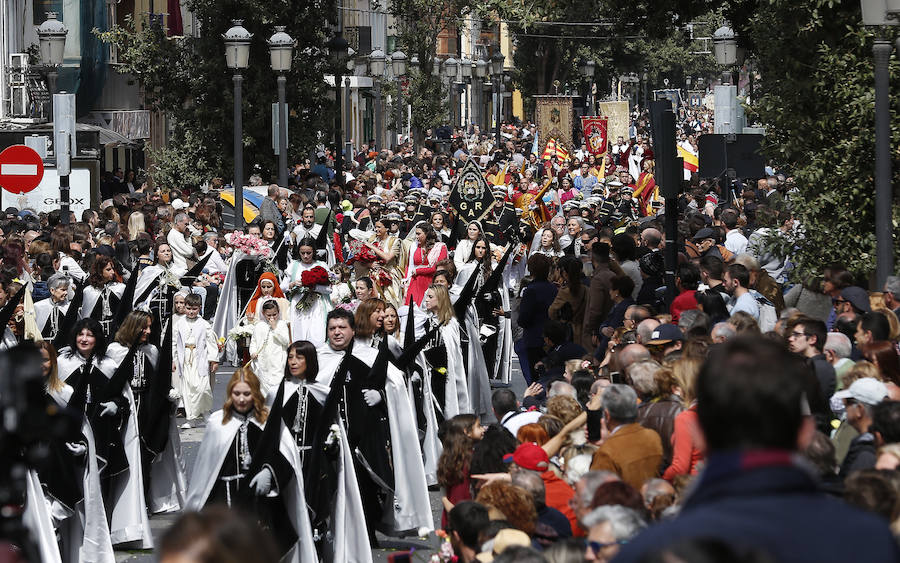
x: 531, y: 456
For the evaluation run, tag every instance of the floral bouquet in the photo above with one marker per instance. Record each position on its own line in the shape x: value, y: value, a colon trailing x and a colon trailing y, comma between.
x: 381, y: 276
x: 360, y: 252
x: 248, y: 244
x: 305, y: 292
x: 240, y: 331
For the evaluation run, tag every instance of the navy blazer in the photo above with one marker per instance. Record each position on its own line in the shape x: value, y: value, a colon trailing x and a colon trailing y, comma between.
x: 536, y: 300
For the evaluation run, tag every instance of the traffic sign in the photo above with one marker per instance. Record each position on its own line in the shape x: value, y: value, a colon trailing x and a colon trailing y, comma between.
x: 21, y: 169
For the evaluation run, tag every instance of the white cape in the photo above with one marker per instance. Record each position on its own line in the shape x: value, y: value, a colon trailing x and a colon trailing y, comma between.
x: 215, y: 446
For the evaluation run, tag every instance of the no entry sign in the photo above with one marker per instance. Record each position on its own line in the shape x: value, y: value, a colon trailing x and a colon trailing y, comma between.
x: 21, y: 169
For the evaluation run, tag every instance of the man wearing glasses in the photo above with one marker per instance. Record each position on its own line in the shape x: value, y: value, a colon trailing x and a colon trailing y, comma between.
x: 609, y: 527
x: 807, y: 339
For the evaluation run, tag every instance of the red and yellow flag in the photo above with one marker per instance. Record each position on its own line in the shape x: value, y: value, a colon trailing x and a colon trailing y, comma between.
x: 691, y: 161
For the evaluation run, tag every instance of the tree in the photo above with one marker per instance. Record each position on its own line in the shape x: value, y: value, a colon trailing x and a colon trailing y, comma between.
x: 816, y: 98
x: 187, y: 78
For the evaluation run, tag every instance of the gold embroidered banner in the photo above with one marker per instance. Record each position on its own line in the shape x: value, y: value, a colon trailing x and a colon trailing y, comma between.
x: 553, y: 115
x: 619, y: 119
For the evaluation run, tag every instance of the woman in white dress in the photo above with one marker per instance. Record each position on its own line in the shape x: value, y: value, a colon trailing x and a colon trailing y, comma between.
x: 268, y: 347
x: 310, y: 306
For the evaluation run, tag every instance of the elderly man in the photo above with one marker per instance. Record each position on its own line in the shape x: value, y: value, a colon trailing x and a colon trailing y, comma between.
x: 722, y: 332
x: 753, y: 493
x: 837, y: 351
x: 892, y: 294
x: 630, y: 451
x: 179, y: 241
x: 609, y: 528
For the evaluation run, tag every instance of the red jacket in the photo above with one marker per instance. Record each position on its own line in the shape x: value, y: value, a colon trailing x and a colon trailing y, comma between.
x: 558, y: 495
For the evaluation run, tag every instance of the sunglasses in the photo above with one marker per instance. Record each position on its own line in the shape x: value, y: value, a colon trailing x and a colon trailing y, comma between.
x: 596, y: 547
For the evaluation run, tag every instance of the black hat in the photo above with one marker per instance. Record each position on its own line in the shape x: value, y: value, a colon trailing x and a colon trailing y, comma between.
x: 652, y: 264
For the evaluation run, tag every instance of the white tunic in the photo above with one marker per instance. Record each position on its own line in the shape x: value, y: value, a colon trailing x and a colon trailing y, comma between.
x: 310, y: 323
x: 195, y: 347
x: 270, y: 348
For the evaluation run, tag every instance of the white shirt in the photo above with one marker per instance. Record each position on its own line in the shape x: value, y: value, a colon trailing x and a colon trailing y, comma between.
x: 514, y: 421
x: 181, y: 251
x: 736, y: 242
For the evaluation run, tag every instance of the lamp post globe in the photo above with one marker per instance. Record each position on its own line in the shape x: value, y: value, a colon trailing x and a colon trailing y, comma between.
x: 377, y: 63
x: 281, y: 48
x: 725, y: 46
x: 52, y: 36
x: 398, y: 63
x: 237, y: 46
x: 497, y: 62
x: 337, y: 49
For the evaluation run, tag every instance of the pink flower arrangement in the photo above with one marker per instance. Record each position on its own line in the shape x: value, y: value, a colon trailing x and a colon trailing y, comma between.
x: 249, y: 244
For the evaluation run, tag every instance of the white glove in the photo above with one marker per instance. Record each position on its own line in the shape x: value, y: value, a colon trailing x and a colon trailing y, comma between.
x: 76, y: 448
x: 109, y: 408
x: 416, y: 377
x: 371, y: 397
x: 174, y: 395
x: 262, y: 482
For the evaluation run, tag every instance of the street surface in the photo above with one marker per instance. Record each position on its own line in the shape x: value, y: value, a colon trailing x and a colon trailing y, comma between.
x: 190, y: 442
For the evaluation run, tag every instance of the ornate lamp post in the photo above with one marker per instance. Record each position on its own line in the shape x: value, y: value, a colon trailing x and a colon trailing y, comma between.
x: 588, y: 67
x: 376, y: 69
x: 337, y: 52
x: 879, y: 14
x: 497, y: 62
x: 237, y: 58
x: 398, y: 66
x: 281, y: 48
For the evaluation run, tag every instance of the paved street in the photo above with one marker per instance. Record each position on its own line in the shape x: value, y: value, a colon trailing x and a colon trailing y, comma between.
x: 190, y: 441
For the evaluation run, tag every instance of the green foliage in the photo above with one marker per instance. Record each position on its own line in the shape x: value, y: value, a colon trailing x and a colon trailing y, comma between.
x: 188, y: 79
x: 635, y: 35
x: 184, y: 162
x: 816, y: 99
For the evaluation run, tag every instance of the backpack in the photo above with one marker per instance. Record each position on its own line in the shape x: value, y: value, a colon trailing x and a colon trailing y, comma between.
x: 767, y: 314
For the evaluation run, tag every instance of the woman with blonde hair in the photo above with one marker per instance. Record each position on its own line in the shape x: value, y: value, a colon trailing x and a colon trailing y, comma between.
x: 222, y: 471
x: 136, y: 225
x: 687, y: 445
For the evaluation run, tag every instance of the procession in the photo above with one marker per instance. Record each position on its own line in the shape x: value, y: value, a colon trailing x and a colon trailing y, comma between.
x: 552, y: 321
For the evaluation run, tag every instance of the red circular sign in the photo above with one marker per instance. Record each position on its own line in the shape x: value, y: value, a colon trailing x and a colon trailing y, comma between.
x: 21, y: 169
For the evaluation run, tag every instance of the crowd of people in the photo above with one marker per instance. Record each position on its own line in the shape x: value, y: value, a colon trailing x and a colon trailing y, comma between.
x: 373, y: 334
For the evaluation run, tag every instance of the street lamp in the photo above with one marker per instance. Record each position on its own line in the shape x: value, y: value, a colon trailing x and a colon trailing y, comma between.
x: 281, y: 48
x: 497, y: 62
x: 480, y: 68
x: 465, y: 73
x: 882, y: 13
x: 450, y: 66
x: 376, y: 69
x: 52, y: 36
x: 398, y: 64
x: 237, y: 58
x: 588, y: 67
x: 337, y: 52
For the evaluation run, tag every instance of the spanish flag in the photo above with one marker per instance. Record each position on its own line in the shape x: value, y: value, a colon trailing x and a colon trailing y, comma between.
x: 562, y: 153
x: 549, y: 150
x: 691, y: 161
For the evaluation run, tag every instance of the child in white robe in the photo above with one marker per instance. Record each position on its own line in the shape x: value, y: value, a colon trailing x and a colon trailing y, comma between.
x: 268, y: 346
x: 196, y: 356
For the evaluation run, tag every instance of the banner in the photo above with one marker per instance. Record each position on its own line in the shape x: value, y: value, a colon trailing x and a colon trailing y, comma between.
x: 554, y: 118
x: 619, y: 118
x: 471, y: 195
x: 595, y: 134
